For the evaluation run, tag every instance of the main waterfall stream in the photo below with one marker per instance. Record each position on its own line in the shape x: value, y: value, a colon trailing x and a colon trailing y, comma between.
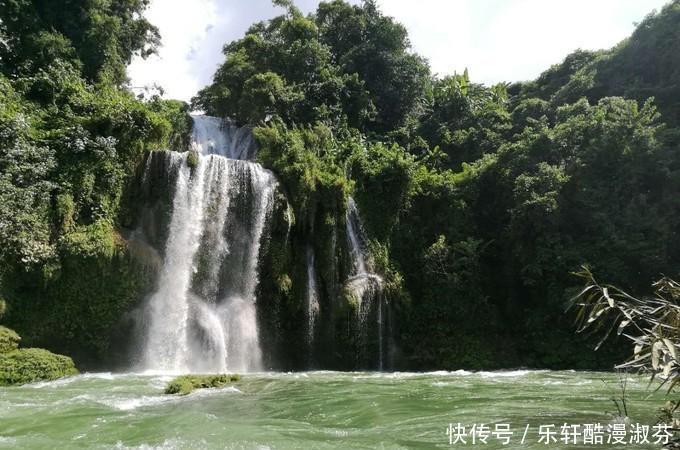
x: 202, y: 317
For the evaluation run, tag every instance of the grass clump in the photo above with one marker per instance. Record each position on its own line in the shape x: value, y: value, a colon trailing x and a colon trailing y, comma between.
x: 186, y: 384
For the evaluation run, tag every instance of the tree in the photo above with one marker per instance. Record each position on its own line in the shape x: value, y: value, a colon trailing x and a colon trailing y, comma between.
x: 98, y: 36
x: 376, y: 48
x: 344, y: 64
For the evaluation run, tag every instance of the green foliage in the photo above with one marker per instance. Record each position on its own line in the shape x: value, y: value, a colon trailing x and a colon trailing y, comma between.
x: 651, y: 324
x: 465, y: 120
x: 79, y: 308
x: 643, y: 66
x: 383, y: 176
x: 192, y: 159
x: 98, y: 37
x: 20, y: 366
x: 9, y: 340
x: 344, y: 64
x: 375, y: 47
x: 263, y: 95
x: 176, y: 113
x: 308, y: 162
x: 186, y: 384
x: 69, y: 150
x: 24, y: 187
x: 33, y: 364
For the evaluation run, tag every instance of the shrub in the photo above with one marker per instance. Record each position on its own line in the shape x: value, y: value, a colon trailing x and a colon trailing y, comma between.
x: 33, y: 364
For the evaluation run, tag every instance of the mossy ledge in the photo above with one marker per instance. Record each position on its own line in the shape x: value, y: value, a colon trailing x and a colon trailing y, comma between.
x: 186, y: 384
x: 27, y: 365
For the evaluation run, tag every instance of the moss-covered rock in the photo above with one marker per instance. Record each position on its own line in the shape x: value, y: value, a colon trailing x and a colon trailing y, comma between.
x: 186, y: 384
x: 9, y: 340
x: 33, y: 364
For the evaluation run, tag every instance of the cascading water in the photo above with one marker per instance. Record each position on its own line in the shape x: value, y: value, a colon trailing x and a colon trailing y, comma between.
x: 312, y: 297
x: 215, y: 136
x: 202, y: 316
x: 364, y: 286
x: 362, y: 283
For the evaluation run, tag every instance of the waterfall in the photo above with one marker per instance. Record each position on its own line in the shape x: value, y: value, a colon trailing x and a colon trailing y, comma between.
x: 212, y: 135
x: 312, y: 298
x: 381, y: 333
x: 202, y: 316
x: 363, y: 285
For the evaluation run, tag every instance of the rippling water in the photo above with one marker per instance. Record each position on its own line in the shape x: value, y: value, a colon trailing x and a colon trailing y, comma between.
x: 311, y: 410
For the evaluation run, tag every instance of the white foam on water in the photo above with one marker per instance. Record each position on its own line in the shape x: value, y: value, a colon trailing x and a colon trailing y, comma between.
x: 505, y: 374
x: 160, y: 381
x: 50, y: 384
x: 72, y: 379
x: 168, y: 444
x: 211, y: 392
x: 133, y: 403
x: 130, y: 404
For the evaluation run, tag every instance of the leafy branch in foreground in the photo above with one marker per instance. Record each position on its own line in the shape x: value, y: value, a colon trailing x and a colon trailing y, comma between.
x: 651, y: 323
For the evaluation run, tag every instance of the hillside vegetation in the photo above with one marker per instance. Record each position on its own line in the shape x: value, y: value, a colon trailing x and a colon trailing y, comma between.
x: 479, y: 201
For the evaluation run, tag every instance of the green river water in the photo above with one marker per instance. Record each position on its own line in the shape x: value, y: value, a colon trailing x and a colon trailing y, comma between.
x: 314, y: 410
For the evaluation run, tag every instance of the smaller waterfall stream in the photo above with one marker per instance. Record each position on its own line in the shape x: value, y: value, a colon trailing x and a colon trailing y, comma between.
x: 312, y: 298
x: 364, y: 285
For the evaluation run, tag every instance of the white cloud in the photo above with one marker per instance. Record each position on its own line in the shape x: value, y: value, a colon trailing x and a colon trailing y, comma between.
x: 512, y: 40
x: 497, y: 40
x: 184, y: 27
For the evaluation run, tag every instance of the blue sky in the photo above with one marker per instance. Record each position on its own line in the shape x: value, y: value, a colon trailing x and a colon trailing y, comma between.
x: 497, y: 40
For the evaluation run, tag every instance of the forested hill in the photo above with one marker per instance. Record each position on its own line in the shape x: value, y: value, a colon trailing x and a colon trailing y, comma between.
x: 479, y: 201
x: 644, y: 65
